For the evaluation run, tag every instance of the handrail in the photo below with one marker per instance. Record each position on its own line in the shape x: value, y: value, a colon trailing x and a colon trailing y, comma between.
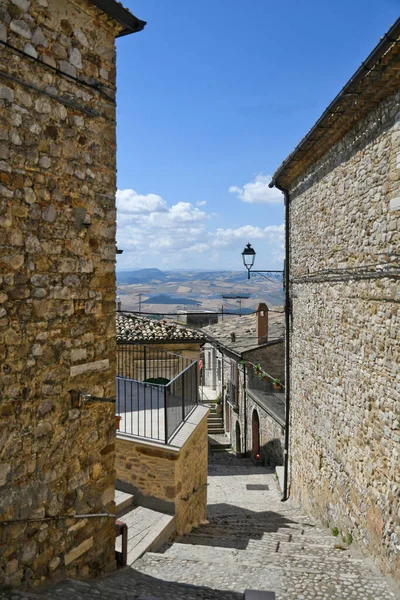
x: 179, y: 374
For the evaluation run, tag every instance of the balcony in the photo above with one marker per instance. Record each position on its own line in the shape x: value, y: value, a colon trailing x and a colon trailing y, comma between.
x: 156, y: 391
x: 262, y: 389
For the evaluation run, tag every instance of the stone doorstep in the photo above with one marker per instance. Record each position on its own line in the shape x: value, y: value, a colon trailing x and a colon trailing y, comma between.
x: 147, y: 531
x: 122, y: 501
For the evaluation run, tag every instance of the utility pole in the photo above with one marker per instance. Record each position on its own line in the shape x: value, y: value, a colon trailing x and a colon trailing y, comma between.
x: 140, y: 302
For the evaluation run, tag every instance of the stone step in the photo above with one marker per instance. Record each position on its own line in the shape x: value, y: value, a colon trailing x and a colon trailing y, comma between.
x: 212, y: 430
x: 147, y: 530
x: 261, y: 520
x: 338, y: 560
x: 122, y: 501
x: 250, y: 528
x: 221, y: 448
x: 310, y: 549
x: 170, y: 567
x: 264, y: 535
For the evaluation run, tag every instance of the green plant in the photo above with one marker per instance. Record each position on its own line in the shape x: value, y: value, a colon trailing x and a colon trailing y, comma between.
x: 335, y: 531
x: 218, y: 399
x: 257, y: 367
x: 349, y: 538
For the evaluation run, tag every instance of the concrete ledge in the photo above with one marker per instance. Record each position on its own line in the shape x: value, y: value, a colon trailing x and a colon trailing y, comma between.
x: 148, y: 530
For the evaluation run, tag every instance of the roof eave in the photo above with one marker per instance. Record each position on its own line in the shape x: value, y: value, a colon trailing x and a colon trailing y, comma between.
x: 130, y: 23
x: 388, y: 39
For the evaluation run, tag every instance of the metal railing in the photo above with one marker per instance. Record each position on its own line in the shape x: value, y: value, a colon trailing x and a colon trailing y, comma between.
x: 156, y: 391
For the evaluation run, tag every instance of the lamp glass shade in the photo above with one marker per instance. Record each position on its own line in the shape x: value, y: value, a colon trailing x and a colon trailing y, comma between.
x: 249, y: 256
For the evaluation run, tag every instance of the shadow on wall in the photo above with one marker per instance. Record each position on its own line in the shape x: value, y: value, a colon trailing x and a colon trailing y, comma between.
x: 222, y: 530
x: 272, y: 453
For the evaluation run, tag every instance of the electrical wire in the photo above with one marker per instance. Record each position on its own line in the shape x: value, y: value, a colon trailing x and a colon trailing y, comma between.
x: 225, y: 314
x: 59, y: 518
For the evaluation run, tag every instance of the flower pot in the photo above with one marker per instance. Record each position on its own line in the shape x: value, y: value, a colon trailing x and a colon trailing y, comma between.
x: 117, y: 421
x: 218, y: 409
x: 276, y: 386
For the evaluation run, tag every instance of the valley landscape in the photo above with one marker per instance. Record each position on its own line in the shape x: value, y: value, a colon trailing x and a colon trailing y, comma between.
x: 167, y: 292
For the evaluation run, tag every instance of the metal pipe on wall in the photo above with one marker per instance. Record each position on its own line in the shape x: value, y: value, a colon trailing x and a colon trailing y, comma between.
x: 285, y: 494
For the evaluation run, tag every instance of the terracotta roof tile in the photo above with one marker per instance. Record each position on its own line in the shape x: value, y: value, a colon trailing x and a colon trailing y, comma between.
x: 132, y: 328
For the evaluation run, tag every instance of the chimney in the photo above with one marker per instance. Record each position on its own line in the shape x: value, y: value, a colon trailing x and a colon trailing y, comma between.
x: 262, y: 323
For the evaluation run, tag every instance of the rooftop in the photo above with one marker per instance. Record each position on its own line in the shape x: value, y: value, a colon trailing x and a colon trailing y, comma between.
x: 244, y: 330
x: 135, y: 329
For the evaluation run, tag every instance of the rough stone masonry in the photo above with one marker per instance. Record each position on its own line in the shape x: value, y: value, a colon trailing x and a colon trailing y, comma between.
x: 57, y: 289
x: 345, y: 336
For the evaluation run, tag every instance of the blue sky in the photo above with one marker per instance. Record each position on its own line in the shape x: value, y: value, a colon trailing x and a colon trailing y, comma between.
x: 212, y: 96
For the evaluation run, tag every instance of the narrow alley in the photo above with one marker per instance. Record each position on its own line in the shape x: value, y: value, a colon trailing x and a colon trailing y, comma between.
x: 252, y: 541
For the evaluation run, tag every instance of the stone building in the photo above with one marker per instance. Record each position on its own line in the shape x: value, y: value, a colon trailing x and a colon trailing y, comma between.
x: 342, y: 190
x: 57, y: 287
x: 242, y: 356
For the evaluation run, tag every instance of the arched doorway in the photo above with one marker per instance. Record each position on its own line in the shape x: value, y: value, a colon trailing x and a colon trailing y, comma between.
x: 238, y: 440
x: 255, y: 438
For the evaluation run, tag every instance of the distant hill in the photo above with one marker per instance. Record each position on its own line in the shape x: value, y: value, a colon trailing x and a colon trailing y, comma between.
x: 167, y: 299
x: 140, y: 276
x: 148, y: 275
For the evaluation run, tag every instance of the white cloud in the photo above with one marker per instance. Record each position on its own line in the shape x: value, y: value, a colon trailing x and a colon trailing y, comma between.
x: 258, y: 192
x: 151, y: 233
x: 232, y: 237
x: 201, y: 203
x: 130, y: 202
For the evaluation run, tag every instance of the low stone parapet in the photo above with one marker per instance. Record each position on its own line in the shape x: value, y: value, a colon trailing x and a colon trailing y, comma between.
x: 165, y: 477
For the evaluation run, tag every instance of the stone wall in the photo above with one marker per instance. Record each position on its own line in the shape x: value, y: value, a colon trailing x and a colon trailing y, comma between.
x: 345, y: 336
x: 57, y: 289
x: 165, y: 478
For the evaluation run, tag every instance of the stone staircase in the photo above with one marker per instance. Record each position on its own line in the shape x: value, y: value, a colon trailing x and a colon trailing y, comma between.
x: 147, y: 529
x: 297, y: 561
x: 215, y: 423
x: 252, y: 541
x: 218, y: 440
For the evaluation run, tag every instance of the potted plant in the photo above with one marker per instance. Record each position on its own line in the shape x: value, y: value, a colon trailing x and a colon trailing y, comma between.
x: 117, y: 421
x: 218, y: 405
x: 276, y: 384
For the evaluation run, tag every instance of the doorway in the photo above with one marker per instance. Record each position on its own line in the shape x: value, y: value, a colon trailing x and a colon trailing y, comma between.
x: 255, y: 442
x: 238, y: 440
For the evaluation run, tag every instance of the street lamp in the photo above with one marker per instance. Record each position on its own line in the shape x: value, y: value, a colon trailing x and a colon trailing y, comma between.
x: 249, y: 256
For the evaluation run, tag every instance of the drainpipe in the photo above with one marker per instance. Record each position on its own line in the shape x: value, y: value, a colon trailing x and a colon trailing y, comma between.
x: 245, y: 409
x: 285, y: 494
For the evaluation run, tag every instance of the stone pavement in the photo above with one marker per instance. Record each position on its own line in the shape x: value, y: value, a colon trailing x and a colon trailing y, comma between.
x: 252, y: 540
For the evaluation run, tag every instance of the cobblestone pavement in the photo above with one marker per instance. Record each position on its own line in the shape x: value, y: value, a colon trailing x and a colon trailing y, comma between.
x: 252, y: 541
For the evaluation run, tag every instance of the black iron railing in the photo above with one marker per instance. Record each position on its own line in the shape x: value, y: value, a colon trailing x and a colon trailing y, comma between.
x: 156, y: 391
